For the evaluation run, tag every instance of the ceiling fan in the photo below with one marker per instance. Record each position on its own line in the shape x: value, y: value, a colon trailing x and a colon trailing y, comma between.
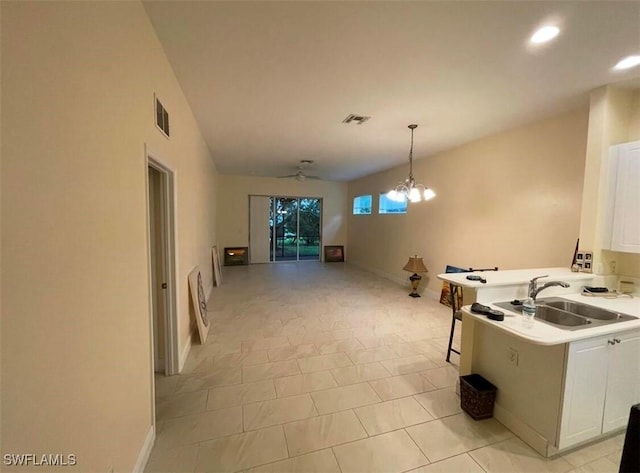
x: 300, y: 175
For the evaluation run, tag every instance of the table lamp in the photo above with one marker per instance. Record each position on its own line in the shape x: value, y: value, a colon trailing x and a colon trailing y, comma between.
x: 415, y: 266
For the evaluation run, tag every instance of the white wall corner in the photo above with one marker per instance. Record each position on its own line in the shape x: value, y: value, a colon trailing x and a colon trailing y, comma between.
x: 145, y: 452
x: 185, y: 353
x: 432, y: 294
x: 378, y: 272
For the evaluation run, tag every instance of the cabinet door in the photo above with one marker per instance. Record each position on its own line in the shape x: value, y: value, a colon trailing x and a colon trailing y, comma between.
x: 584, y: 394
x: 625, y: 231
x: 623, y: 382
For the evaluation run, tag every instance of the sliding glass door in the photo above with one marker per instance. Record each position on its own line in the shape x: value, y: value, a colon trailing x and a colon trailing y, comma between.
x: 284, y: 228
x: 295, y: 224
x: 284, y: 231
x: 309, y: 211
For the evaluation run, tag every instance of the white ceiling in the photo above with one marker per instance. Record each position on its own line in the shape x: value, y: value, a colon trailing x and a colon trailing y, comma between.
x: 270, y: 82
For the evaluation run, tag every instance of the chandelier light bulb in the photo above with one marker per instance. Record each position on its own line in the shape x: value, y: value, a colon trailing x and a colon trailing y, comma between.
x: 429, y: 194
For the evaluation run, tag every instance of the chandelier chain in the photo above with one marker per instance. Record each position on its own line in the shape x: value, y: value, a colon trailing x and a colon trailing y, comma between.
x: 411, y: 156
x: 409, y: 190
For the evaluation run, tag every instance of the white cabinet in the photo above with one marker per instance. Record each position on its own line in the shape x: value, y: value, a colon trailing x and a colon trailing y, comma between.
x: 622, y: 217
x: 602, y: 383
x: 584, y: 392
x: 623, y: 380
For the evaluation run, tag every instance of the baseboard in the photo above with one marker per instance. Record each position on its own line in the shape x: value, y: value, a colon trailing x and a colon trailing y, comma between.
x: 145, y: 452
x: 522, y: 430
x: 382, y: 274
x: 432, y: 294
x: 185, y: 353
x: 404, y: 282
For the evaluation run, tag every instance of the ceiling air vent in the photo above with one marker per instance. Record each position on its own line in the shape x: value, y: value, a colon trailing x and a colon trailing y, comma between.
x: 162, y: 118
x: 356, y: 119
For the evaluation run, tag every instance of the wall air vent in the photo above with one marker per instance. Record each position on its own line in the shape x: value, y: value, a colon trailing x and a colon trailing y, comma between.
x: 356, y: 119
x: 162, y: 118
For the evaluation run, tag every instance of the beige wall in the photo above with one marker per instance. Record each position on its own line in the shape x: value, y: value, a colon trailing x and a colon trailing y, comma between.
x: 614, y: 118
x: 78, y: 80
x: 634, y: 122
x: 233, y: 206
x: 511, y: 200
x: 628, y: 264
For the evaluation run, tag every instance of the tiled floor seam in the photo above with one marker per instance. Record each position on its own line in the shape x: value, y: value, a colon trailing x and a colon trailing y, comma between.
x: 336, y: 458
x: 348, y: 408
x: 467, y: 453
x: 314, y: 406
x: 286, y: 441
x: 416, y: 444
x: 334, y: 378
x: 360, y: 421
x: 329, y: 446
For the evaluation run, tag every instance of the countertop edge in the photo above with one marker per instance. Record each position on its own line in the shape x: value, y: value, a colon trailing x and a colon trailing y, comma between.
x: 555, y: 336
x: 513, y: 277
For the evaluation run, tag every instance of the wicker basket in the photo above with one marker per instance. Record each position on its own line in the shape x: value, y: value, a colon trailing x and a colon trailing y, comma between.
x: 477, y: 396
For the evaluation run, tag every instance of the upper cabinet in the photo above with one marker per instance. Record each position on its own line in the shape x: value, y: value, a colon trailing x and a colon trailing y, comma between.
x: 622, y: 212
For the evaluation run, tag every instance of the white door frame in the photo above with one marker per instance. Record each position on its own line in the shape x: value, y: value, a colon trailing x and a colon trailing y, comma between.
x: 172, y: 349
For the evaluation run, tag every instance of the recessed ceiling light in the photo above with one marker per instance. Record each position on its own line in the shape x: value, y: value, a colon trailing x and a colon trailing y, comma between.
x: 627, y: 63
x: 544, y: 34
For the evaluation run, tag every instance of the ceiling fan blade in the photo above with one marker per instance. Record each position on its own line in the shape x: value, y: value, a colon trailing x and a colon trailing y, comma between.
x: 300, y: 176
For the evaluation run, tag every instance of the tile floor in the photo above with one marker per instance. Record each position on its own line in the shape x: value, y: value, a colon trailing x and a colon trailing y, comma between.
x: 315, y: 367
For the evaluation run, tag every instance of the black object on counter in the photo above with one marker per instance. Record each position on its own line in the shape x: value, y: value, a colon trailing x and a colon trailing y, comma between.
x: 595, y: 289
x: 630, y: 461
x: 478, y: 308
x: 473, y: 277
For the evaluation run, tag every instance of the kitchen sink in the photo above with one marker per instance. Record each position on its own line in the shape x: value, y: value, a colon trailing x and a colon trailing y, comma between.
x: 560, y: 317
x: 570, y: 315
x: 583, y: 310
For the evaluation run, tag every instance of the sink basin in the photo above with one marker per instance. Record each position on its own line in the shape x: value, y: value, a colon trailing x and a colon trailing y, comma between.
x: 583, y: 310
x: 570, y: 315
x: 560, y: 317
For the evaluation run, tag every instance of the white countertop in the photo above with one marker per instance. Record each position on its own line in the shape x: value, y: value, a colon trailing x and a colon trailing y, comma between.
x: 514, y: 276
x: 545, y: 334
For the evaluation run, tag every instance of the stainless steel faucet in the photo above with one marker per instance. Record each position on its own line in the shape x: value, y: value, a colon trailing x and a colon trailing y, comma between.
x: 534, y: 290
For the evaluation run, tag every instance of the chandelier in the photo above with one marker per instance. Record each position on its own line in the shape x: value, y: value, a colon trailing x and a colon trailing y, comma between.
x: 409, y: 190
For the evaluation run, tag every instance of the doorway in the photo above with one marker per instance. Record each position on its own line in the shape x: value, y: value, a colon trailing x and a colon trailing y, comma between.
x: 285, y: 228
x: 295, y: 228
x: 160, y: 221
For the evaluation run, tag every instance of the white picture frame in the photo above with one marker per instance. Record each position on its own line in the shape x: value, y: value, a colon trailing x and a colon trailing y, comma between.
x: 199, y: 303
x: 215, y: 261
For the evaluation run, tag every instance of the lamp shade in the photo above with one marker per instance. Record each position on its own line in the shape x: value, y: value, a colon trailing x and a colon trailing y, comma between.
x: 415, y: 265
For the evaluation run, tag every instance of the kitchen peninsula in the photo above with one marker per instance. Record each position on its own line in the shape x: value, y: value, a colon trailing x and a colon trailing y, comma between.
x: 558, y: 387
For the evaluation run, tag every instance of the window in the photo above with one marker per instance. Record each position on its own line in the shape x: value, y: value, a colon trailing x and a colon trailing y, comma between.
x: 362, y: 205
x: 388, y: 206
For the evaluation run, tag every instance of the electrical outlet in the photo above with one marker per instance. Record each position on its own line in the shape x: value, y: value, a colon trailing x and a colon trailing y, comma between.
x: 512, y: 356
x: 612, y: 265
